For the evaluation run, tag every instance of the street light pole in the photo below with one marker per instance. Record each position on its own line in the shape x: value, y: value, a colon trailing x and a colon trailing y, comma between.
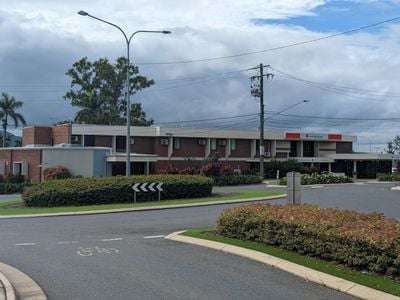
x: 128, y: 98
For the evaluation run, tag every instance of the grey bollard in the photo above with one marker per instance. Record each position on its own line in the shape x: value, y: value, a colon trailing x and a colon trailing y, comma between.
x: 293, y: 188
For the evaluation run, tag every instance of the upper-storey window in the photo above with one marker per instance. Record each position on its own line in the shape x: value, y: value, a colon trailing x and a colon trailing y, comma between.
x: 120, y: 143
x: 233, y: 144
x: 177, y: 143
x: 213, y: 144
x: 308, y: 149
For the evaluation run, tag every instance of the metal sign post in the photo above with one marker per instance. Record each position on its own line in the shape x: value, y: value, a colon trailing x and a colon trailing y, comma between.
x: 293, y: 188
x: 147, y: 187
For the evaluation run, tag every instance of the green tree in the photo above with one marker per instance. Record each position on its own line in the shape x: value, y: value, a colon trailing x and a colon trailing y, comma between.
x: 99, y: 90
x: 393, y: 146
x: 62, y: 122
x: 8, y: 107
x: 389, y: 148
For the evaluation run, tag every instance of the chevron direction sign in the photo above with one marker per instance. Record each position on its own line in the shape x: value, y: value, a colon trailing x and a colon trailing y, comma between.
x: 148, y: 187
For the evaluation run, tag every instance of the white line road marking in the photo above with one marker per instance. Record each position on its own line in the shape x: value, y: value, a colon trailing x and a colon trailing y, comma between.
x: 71, y: 242
x: 90, y: 251
x: 25, y: 244
x: 154, y: 236
x: 317, y: 186
x: 114, y: 239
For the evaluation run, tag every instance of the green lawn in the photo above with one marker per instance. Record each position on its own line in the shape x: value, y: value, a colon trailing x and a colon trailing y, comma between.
x: 5, y: 208
x: 371, y: 280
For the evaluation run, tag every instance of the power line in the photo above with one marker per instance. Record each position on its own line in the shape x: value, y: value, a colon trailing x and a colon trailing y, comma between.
x: 274, y: 48
x: 341, y: 90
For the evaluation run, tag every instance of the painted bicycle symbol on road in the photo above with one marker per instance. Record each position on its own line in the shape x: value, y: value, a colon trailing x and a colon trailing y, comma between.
x: 95, y: 250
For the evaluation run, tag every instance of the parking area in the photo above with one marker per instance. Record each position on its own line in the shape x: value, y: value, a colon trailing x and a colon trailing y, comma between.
x: 363, y: 197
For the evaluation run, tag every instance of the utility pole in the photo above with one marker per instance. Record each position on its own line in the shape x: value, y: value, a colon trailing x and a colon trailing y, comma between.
x: 257, y: 90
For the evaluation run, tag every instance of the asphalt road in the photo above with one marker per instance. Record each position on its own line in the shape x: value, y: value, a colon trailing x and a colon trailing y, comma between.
x: 120, y: 256
x: 363, y: 197
x: 123, y: 256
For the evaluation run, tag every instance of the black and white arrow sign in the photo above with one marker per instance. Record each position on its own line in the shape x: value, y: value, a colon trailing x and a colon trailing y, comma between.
x: 146, y: 187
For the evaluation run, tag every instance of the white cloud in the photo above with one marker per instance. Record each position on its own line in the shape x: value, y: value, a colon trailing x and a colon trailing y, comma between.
x: 40, y: 42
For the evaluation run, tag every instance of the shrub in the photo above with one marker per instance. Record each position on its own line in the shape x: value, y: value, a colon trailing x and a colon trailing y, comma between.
x: 169, y: 170
x: 189, y: 171
x: 11, y: 178
x: 390, y: 177
x: 105, y: 190
x: 237, y: 179
x: 360, y: 241
x: 273, y: 166
x: 11, y: 188
x: 324, y: 178
x: 212, y: 169
x: 58, y: 172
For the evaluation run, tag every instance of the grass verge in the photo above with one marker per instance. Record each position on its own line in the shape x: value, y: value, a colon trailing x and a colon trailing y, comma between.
x: 9, y: 208
x: 370, y: 280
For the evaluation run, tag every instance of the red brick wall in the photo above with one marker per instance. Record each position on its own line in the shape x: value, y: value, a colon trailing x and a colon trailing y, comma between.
x: 31, y: 156
x: 103, y: 141
x: 190, y: 148
x: 243, y: 149
x: 143, y: 145
x: 5, y: 155
x: 160, y: 150
x: 36, y: 135
x: 62, y: 134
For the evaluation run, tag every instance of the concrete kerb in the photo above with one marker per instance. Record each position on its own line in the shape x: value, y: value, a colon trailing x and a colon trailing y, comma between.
x: 21, y: 286
x: 6, y: 289
x: 147, y: 208
x: 318, y: 277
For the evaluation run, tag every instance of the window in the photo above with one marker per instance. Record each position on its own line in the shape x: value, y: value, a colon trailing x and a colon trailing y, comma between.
x: 177, y: 143
x: 2, y: 168
x: 233, y: 144
x: 20, y: 168
x: 89, y: 141
x: 308, y: 149
x: 213, y: 144
x: 120, y: 143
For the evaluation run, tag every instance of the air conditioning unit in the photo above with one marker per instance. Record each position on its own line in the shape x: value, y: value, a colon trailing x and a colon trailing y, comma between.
x: 267, y: 154
x: 202, y: 142
x: 221, y: 142
x: 164, y: 142
x: 74, y: 139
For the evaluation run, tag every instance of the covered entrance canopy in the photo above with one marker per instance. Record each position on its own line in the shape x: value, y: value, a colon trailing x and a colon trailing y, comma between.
x: 141, y: 164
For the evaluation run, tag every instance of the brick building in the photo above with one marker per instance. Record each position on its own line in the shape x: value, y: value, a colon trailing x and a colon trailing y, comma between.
x: 98, y: 150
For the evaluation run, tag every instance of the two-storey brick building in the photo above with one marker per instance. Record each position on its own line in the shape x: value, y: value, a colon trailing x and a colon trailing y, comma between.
x: 98, y: 150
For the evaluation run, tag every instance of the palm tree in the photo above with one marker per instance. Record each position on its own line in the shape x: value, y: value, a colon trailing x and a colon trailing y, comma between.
x: 91, y: 110
x: 8, y: 107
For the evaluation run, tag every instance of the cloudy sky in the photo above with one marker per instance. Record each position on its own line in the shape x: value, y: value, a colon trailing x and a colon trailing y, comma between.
x: 351, y: 80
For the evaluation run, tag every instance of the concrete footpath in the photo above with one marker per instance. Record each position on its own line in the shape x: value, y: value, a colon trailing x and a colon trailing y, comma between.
x: 323, y: 279
x: 17, y: 285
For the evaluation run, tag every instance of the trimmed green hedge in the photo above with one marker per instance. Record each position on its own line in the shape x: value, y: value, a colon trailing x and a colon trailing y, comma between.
x: 360, y: 241
x: 324, y: 178
x: 236, y: 180
x: 106, y: 190
x: 11, y: 188
x: 390, y: 177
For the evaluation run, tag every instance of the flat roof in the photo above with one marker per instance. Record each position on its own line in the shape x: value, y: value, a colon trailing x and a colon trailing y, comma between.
x: 155, y: 131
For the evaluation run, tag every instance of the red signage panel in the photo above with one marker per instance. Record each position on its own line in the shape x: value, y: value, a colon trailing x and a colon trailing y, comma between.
x: 337, y: 137
x: 292, y: 135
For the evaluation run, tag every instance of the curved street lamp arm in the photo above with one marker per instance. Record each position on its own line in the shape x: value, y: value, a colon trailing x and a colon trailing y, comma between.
x: 287, y: 108
x: 148, y: 31
x: 112, y: 24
